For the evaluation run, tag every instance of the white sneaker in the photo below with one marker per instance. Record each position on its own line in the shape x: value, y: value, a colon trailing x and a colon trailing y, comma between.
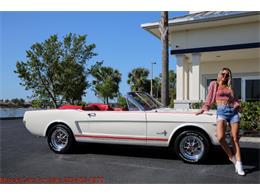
x: 239, y: 168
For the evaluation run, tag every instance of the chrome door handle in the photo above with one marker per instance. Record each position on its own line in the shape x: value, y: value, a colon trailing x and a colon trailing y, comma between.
x: 92, y: 115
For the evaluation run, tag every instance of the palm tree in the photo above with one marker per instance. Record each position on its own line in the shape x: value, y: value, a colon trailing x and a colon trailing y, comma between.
x: 172, y: 79
x: 171, y: 84
x: 157, y: 87
x: 137, y: 79
x: 165, y: 55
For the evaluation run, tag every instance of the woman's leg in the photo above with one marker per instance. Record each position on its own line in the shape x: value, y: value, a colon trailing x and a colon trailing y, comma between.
x: 221, y: 127
x: 234, y: 132
x: 235, y: 140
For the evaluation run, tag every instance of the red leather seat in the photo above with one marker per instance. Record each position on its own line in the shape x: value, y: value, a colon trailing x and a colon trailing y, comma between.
x: 102, y: 107
x: 97, y: 106
x: 69, y: 106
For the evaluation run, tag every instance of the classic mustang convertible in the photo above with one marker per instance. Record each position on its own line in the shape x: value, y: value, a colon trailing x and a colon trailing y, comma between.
x: 143, y: 122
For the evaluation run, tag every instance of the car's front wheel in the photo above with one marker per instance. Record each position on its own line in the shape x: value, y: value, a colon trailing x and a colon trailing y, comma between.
x: 192, y: 146
x: 60, y: 139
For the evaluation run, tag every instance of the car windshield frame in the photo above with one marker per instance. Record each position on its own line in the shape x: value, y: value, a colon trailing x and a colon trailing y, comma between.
x: 142, y: 101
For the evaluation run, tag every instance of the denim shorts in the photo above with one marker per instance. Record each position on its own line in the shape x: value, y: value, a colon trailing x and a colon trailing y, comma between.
x: 228, y: 114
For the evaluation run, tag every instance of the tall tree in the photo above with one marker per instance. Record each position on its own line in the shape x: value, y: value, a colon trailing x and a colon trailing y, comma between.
x: 157, y: 87
x: 55, y: 70
x: 171, y: 84
x: 106, y: 81
x: 137, y: 79
x: 172, y: 79
x: 172, y: 87
x: 165, y: 57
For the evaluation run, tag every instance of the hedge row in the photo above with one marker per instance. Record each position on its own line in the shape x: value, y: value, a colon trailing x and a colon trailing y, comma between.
x: 250, y: 114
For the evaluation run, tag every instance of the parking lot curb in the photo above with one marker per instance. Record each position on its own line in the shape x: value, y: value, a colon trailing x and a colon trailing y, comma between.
x: 11, y: 118
x: 250, y: 139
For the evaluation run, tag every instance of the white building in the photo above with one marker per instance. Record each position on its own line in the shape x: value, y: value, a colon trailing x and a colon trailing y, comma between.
x: 204, y: 42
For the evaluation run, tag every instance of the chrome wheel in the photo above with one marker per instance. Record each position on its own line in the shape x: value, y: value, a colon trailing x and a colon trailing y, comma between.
x: 192, y: 148
x: 59, y: 139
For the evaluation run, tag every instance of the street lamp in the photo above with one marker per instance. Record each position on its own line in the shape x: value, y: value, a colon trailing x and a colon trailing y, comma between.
x: 151, y: 91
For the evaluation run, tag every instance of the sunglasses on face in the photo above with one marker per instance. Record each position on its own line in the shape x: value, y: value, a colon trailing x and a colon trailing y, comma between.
x: 224, y: 74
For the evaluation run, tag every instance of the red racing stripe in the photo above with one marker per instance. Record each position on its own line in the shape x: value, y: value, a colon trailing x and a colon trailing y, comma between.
x: 121, y: 138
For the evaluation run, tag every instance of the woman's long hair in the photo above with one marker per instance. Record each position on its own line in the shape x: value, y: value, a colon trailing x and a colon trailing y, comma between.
x: 229, y: 82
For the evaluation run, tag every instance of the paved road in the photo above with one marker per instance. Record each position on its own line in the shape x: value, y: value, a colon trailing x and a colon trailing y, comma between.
x: 26, y: 156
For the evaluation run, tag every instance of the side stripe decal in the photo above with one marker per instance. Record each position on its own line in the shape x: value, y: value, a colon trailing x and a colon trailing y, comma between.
x: 121, y: 138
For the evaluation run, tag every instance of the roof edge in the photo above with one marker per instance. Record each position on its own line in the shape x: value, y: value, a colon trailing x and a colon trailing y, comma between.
x: 171, y: 21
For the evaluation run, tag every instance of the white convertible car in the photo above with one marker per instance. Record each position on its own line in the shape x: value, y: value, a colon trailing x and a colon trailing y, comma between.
x: 144, y: 122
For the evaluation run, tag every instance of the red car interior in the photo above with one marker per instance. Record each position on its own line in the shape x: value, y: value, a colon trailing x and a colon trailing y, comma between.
x: 97, y: 107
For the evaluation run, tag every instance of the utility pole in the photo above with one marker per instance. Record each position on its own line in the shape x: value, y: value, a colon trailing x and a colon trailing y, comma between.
x: 151, y: 91
x: 163, y: 28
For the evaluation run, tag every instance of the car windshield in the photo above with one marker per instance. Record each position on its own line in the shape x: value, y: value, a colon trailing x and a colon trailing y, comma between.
x: 142, y: 101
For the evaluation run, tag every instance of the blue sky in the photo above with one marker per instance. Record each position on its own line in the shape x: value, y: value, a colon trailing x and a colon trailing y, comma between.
x: 119, y: 39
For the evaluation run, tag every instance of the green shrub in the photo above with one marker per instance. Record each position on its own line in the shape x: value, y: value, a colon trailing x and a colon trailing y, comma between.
x: 121, y: 102
x: 81, y: 103
x: 41, y: 103
x: 250, y: 116
x: 171, y: 105
x: 198, y: 105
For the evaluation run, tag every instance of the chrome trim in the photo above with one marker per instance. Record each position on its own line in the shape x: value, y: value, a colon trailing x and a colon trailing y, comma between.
x: 189, y: 123
x: 111, y: 121
x: 126, y: 121
x: 78, y: 127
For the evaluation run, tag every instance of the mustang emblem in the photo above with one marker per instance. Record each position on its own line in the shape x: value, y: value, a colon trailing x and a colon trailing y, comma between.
x: 162, y: 133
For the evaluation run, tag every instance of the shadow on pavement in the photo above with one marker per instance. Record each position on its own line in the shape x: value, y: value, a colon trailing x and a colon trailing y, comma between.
x: 250, y: 156
x: 124, y: 150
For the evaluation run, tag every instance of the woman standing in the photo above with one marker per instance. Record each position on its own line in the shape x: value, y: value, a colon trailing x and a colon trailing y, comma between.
x: 221, y: 93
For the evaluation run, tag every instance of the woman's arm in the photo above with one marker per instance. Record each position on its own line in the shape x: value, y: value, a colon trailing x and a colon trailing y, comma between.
x: 209, y: 99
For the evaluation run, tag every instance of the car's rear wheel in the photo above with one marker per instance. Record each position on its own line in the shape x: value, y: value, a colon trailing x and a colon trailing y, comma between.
x: 192, y: 146
x: 60, y: 139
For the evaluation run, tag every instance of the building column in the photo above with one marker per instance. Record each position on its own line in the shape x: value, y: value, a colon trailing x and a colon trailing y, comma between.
x: 195, y: 77
x: 186, y: 79
x: 182, y: 83
x: 180, y: 77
